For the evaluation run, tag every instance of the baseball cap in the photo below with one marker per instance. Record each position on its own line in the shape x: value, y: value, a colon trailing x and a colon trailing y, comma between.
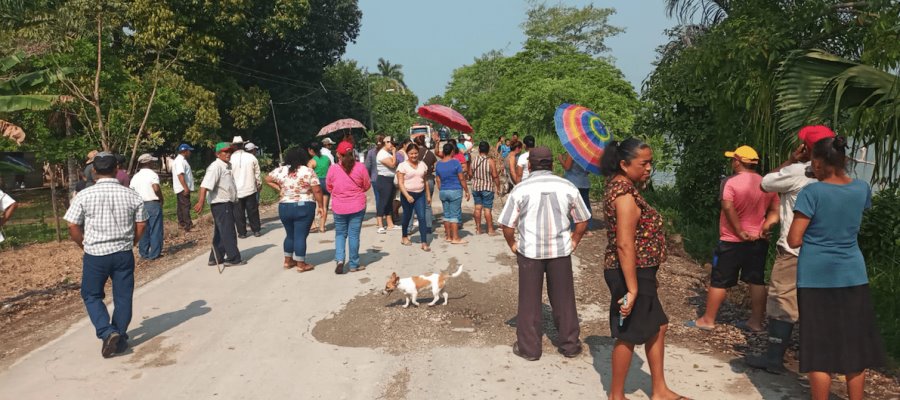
x: 91, y: 155
x: 105, y: 161
x: 185, y: 146
x: 344, y: 147
x: 327, y: 141
x: 540, y: 155
x: 224, y: 146
x: 250, y: 146
x: 813, y: 133
x: 745, y: 154
x: 145, y: 158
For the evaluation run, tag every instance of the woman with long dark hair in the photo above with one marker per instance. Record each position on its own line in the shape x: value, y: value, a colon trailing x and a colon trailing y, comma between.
x: 451, y: 184
x: 348, y: 182
x: 320, y: 164
x: 635, y: 250
x: 837, y: 319
x: 414, y: 193
x: 300, y: 194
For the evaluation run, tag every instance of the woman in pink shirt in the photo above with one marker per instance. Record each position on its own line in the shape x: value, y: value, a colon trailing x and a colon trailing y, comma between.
x: 348, y: 181
x: 414, y: 193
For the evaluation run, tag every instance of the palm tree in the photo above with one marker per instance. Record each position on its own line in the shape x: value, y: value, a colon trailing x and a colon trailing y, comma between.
x: 392, y: 71
x: 13, y: 97
x: 710, y: 12
x: 858, y: 100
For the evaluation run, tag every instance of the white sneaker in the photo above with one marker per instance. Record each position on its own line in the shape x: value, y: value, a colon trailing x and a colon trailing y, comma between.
x: 416, y: 223
x: 382, y: 230
x: 397, y: 227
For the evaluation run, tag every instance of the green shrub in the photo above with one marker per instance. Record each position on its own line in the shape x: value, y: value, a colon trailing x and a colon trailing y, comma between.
x: 879, y: 239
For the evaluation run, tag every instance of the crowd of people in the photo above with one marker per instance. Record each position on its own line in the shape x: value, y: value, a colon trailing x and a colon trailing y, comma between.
x: 818, y: 281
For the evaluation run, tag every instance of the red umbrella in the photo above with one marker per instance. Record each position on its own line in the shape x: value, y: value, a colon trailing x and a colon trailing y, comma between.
x: 339, y: 125
x: 445, y: 116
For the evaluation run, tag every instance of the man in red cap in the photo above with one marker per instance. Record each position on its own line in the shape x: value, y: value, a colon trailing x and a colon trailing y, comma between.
x: 787, y: 180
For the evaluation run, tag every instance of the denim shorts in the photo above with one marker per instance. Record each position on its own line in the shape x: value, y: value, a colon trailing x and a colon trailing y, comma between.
x: 452, y: 202
x: 484, y: 199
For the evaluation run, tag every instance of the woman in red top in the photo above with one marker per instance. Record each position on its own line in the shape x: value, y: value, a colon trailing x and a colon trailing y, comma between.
x: 637, y: 247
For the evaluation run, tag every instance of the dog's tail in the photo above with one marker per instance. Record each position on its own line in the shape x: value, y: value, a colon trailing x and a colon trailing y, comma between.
x: 458, y: 272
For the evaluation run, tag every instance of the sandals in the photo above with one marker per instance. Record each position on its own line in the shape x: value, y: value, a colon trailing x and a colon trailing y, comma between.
x: 406, y: 242
x: 742, y: 325
x: 693, y: 324
x: 304, y: 267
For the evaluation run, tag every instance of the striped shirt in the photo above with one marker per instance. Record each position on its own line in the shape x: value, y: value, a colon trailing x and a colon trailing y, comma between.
x: 481, y: 175
x: 539, y: 209
x: 108, y: 212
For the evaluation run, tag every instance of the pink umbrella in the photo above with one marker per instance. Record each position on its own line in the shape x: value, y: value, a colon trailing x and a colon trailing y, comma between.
x: 340, y: 125
x: 445, y: 116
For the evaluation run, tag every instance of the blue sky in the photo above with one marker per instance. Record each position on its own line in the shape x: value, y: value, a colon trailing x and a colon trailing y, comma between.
x: 431, y: 38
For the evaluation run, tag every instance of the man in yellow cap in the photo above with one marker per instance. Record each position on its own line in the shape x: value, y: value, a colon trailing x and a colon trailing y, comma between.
x: 747, y: 215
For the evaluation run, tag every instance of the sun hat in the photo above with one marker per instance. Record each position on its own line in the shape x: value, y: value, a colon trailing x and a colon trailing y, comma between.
x: 237, y: 139
x: 224, y: 146
x: 185, y: 147
x: 146, y: 158
x: 91, y: 155
x: 250, y: 146
x: 327, y: 141
x: 344, y: 147
x: 744, y: 154
x: 813, y: 133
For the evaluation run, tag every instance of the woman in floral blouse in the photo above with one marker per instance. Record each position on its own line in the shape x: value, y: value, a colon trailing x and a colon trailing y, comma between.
x: 300, y: 194
x: 635, y: 251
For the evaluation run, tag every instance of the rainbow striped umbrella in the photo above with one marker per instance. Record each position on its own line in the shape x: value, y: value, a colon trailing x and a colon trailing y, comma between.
x: 583, y: 134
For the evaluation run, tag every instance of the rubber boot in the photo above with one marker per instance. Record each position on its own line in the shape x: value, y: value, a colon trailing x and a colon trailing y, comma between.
x: 779, y: 341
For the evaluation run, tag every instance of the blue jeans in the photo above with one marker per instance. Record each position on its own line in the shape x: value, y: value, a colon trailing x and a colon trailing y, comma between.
x: 429, y: 214
x: 95, y: 271
x: 485, y: 199
x: 452, y: 202
x: 417, y: 205
x: 296, y: 218
x: 150, y: 246
x: 348, y: 226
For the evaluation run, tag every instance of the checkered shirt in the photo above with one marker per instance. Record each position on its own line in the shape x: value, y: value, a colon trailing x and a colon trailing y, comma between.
x: 108, y: 212
x: 539, y: 209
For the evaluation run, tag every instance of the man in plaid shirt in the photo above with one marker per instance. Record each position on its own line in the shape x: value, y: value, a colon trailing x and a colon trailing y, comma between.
x: 107, y: 221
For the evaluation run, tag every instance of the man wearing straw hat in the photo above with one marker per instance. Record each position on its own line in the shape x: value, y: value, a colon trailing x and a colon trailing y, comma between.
x: 245, y: 170
x: 219, y: 184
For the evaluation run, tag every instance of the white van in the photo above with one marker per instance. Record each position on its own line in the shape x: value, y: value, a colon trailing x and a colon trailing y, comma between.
x: 426, y: 130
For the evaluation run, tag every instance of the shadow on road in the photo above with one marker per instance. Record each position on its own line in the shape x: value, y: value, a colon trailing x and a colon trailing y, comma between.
x: 601, y: 350
x: 247, y: 254
x: 159, y: 324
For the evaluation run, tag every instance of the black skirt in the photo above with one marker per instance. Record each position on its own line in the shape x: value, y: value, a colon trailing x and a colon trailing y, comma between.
x: 647, y: 314
x: 837, y: 330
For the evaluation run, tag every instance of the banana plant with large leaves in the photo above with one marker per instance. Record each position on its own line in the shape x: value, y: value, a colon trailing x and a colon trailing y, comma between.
x: 15, y: 96
x: 858, y: 100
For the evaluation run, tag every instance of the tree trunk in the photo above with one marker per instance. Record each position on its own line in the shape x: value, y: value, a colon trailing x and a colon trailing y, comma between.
x: 104, y: 135
x: 71, y: 164
x: 54, y: 201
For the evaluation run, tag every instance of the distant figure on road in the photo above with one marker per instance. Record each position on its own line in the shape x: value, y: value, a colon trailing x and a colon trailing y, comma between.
x: 748, y: 215
x: 838, y: 334
x: 107, y: 221
x: 509, y: 166
x: 787, y: 180
x: 348, y: 183
x: 183, y: 185
x: 327, y: 144
x: 88, y: 173
x: 245, y: 170
x: 300, y: 194
x: 7, y: 208
x: 427, y: 156
x: 635, y: 249
x: 579, y: 177
x: 320, y: 164
x: 386, y: 165
x: 536, y: 227
x: 219, y: 184
x: 122, y: 173
x: 146, y: 183
x: 522, y: 161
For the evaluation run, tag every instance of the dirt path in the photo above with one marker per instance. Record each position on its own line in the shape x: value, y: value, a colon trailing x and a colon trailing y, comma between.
x: 261, y: 332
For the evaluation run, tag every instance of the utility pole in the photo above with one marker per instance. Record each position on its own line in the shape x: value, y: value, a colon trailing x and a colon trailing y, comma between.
x: 369, y: 88
x: 277, y: 135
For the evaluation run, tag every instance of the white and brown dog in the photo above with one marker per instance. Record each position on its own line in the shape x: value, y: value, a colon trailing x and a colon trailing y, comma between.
x: 412, y: 285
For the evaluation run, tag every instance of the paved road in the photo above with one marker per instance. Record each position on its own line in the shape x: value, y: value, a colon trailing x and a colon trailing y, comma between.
x: 245, y: 334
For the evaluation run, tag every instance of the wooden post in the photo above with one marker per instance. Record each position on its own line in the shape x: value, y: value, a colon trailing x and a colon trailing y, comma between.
x: 53, y: 200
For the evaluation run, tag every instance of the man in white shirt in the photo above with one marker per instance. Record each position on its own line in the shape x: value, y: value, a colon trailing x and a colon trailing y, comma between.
x: 522, y: 161
x: 787, y: 180
x: 183, y: 185
x: 146, y: 183
x: 219, y: 184
x: 7, y: 207
x: 245, y: 168
x: 327, y: 144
